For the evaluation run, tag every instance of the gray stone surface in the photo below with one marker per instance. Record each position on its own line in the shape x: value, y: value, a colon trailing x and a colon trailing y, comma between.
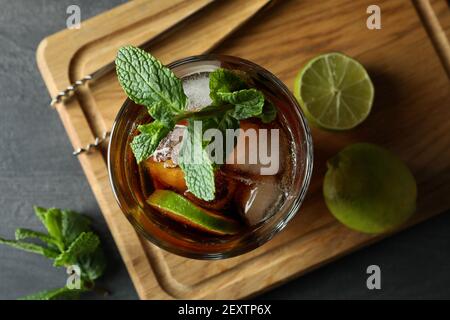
x: 36, y: 167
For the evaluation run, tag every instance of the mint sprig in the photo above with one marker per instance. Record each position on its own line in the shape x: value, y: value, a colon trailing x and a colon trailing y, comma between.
x: 147, y: 82
x: 69, y: 241
x: 56, y: 294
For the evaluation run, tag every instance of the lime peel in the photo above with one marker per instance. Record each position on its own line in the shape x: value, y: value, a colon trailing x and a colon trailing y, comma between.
x: 181, y: 209
x: 369, y: 189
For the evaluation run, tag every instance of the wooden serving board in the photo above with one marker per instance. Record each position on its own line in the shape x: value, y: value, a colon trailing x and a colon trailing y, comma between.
x: 410, y: 117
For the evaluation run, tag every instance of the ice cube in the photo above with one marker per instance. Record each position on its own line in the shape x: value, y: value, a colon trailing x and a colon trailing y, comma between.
x: 169, y: 147
x: 196, y: 88
x: 245, y: 157
x: 259, y: 201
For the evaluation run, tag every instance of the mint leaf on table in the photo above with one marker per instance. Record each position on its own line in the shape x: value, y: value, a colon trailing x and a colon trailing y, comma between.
x: 85, y: 252
x: 197, y: 166
x: 72, y: 225
x: 93, y: 265
x: 22, y: 234
x: 40, y: 213
x: 63, y: 225
x: 224, y: 81
x: 147, y: 82
x: 145, y: 144
x: 85, y: 243
x: 52, y: 220
x: 69, y: 241
x: 30, y: 247
x: 55, y: 294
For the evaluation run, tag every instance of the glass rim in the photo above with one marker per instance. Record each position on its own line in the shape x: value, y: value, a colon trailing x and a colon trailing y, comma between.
x: 283, y: 221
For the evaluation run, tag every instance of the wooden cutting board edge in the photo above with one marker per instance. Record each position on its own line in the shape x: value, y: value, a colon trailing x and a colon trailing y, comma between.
x: 93, y: 165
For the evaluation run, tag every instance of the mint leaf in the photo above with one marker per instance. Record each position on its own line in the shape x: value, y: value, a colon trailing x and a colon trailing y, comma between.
x: 55, y: 294
x: 30, y: 247
x: 86, y: 243
x: 224, y: 81
x: 67, y: 229
x: 224, y: 85
x: 147, y: 82
x: 248, y: 103
x: 52, y: 220
x: 197, y: 167
x: 222, y: 120
x: 217, y: 117
x: 40, y: 213
x: 92, y: 265
x: 72, y: 225
x: 146, y: 143
x: 63, y: 226
x: 161, y: 114
x: 22, y: 234
x: 269, y: 112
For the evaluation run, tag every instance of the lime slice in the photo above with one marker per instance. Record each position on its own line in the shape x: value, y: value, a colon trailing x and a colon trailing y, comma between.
x: 181, y: 209
x: 334, y: 91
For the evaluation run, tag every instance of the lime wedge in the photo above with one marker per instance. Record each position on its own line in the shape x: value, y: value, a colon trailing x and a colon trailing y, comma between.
x: 182, y: 210
x: 334, y: 91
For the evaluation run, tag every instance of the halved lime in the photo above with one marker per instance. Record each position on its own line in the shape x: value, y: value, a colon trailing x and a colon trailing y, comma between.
x: 334, y: 91
x: 182, y: 210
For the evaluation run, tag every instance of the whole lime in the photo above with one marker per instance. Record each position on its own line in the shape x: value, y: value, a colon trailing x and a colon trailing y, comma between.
x: 369, y: 189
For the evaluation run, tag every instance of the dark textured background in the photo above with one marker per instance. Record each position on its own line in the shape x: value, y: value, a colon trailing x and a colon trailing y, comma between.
x: 36, y: 167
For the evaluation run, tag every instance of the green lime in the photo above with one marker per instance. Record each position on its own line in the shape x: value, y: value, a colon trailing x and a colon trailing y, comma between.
x: 181, y: 209
x: 369, y: 189
x: 334, y: 91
